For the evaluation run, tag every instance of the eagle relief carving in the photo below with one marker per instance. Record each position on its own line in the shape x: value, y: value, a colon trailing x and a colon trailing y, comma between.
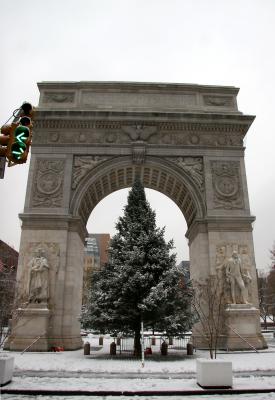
x: 139, y: 132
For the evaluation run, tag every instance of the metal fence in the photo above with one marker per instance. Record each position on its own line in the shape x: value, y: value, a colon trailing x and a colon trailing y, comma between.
x: 126, y: 344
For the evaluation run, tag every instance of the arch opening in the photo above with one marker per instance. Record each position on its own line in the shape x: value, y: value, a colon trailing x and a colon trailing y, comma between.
x: 155, y: 174
x: 105, y: 215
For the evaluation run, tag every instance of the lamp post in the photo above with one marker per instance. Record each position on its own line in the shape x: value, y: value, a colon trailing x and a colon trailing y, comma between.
x: 142, y: 345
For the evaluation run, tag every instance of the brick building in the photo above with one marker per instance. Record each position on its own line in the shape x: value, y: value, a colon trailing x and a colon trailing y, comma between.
x: 8, y: 256
x: 8, y: 267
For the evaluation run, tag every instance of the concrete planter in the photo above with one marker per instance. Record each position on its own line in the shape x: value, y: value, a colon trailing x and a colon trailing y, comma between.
x: 6, y: 369
x: 214, y: 373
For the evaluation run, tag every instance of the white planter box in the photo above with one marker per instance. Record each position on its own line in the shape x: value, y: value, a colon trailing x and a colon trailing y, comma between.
x: 6, y: 369
x: 214, y: 373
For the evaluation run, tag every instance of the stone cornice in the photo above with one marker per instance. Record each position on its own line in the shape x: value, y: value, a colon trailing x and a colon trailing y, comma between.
x: 220, y: 224
x: 162, y: 122
x: 136, y: 86
x: 53, y: 222
x: 86, y: 116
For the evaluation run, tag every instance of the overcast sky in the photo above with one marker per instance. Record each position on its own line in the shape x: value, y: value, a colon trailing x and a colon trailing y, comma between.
x: 222, y: 42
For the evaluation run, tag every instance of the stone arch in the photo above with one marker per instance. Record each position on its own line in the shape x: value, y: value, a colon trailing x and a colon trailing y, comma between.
x: 91, y: 139
x: 118, y: 173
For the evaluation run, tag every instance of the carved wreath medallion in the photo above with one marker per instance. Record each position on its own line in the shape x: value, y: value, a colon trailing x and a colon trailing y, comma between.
x: 48, y: 183
x: 227, y: 186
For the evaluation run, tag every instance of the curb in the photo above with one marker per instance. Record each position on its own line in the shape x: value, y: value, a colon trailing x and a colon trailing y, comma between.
x: 133, y: 393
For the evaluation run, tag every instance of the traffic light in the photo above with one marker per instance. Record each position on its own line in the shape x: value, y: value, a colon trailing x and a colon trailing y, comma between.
x: 20, y: 140
x: 20, y: 136
x: 16, y: 138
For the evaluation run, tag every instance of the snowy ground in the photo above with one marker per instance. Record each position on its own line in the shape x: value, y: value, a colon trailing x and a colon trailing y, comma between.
x: 98, y: 372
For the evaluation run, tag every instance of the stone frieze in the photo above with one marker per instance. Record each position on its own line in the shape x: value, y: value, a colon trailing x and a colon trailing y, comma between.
x: 130, y: 134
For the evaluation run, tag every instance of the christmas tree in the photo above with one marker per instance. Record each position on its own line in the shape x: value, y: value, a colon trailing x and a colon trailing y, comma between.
x: 141, y: 281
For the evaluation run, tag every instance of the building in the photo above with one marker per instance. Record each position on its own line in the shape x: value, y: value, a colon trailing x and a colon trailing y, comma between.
x: 8, y: 267
x: 95, y: 257
x: 184, y: 267
x: 8, y: 256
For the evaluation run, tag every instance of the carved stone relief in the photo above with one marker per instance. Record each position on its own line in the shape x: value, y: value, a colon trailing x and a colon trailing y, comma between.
x: 138, y: 154
x: 70, y: 132
x: 193, y: 166
x: 84, y: 164
x: 233, y: 269
x: 139, y: 132
x: 227, y: 187
x: 47, y: 190
x: 43, y: 261
x: 58, y: 97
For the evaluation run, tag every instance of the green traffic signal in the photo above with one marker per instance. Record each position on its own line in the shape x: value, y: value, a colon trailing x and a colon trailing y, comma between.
x: 18, y: 148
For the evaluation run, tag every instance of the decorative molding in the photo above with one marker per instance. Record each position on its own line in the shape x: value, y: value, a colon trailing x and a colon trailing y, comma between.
x: 214, y: 127
x: 110, y: 136
x: 194, y: 168
x: 227, y: 187
x: 47, y: 189
x: 58, y: 97
x: 83, y: 165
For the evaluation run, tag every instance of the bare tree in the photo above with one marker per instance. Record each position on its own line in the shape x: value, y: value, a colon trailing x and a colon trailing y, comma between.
x: 266, y: 289
x: 7, y: 289
x: 208, y: 303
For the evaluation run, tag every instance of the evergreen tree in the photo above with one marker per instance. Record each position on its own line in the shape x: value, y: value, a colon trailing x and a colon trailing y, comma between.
x: 141, y: 281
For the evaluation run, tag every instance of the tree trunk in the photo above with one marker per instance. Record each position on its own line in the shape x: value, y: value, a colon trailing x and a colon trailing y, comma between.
x: 137, y: 344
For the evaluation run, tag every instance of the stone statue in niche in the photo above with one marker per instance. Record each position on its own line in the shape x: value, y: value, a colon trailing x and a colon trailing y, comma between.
x: 233, y: 266
x: 235, y: 279
x: 39, y: 278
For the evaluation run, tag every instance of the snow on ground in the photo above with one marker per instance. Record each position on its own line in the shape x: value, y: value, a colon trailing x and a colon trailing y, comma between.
x: 100, y: 362
x: 71, y: 370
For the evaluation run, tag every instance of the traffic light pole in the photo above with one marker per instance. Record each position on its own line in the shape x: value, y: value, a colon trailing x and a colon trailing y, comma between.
x: 2, y: 167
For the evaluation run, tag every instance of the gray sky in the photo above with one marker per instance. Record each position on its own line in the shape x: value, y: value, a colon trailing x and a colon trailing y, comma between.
x: 222, y: 42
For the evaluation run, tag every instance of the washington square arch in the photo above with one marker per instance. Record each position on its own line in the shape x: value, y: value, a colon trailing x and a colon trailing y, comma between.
x: 93, y: 138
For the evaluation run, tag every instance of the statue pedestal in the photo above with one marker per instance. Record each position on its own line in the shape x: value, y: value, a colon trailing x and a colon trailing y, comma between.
x: 242, y: 327
x: 30, y: 329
